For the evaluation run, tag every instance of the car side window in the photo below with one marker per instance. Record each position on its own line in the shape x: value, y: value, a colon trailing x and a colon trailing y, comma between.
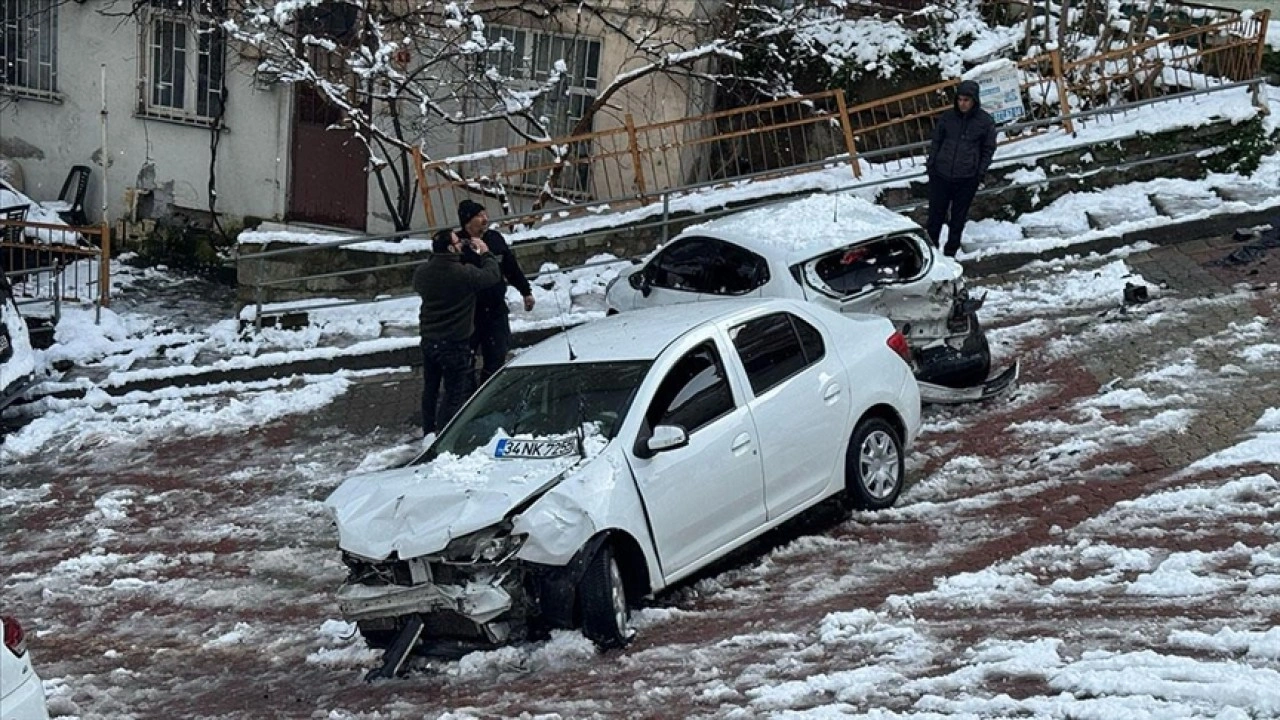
x: 707, y: 265
x: 683, y: 266
x: 770, y: 349
x: 810, y: 340
x: 694, y: 392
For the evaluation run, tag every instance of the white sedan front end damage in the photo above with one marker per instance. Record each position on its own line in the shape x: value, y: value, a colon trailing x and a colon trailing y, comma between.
x: 436, y: 541
x: 480, y: 600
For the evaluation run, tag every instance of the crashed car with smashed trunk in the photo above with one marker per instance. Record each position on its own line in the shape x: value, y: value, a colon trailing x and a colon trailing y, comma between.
x: 619, y: 457
x: 841, y: 252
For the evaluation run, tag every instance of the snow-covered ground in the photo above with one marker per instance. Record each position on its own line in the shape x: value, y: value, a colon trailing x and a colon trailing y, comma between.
x: 1101, y: 543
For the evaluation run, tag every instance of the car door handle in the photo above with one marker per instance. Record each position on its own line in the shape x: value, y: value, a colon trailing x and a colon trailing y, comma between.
x: 740, y: 443
x: 832, y: 393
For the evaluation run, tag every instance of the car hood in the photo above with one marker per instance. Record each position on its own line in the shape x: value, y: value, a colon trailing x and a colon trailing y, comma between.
x: 417, y: 510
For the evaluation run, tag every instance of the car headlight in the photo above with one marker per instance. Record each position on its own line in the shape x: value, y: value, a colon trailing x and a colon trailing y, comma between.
x: 492, y: 545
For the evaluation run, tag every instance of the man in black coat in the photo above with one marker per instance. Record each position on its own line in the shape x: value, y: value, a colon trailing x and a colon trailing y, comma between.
x: 493, y: 329
x: 446, y: 320
x: 964, y: 141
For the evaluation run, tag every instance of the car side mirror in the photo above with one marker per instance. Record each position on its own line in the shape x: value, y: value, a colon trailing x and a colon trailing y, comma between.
x: 667, y: 437
x: 640, y: 281
x: 664, y: 437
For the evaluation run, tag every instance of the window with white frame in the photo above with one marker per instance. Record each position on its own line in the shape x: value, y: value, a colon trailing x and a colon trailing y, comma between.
x: 532, y: 56
x: 182, y: 63
x: 29, y: 46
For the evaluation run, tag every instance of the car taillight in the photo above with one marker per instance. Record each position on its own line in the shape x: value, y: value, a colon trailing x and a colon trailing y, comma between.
x: 898, y: 343
x: 14, y: 638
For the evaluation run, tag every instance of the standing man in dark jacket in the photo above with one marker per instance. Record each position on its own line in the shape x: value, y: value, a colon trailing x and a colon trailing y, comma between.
x: 446, y: 320
x: 493, y: 329
x: 964, y: 140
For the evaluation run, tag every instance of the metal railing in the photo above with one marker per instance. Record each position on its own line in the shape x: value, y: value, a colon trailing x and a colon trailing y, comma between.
x: 49, y: 264
x: 634, y: 165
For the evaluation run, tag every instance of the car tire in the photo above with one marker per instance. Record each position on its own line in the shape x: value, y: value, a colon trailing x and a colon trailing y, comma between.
x: 966, y: 367
x: 606, y: 615
x: 874, y: 465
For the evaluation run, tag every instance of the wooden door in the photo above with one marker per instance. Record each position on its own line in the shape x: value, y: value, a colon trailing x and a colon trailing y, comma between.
x: 328, y: 183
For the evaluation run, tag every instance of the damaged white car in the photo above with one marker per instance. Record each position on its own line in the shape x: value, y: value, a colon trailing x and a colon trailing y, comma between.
x: 607, y: 462
x: 841, y: 252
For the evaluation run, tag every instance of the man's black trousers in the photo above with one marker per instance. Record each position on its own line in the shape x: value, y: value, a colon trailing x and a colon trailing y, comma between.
x: 949, y: 201
x: 492, y: 339
x: 446, y: 362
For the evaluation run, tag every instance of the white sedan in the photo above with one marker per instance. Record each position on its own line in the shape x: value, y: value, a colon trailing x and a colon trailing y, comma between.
x: 610, y: 461
x: 21, y: 691
x: 841, y: 252
x: 17, y: 359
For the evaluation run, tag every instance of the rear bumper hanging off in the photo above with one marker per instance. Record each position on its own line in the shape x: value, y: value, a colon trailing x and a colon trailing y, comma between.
x: 942, y: 395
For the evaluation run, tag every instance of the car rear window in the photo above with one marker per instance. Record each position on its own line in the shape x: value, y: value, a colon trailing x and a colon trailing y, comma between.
x: 860, y: 268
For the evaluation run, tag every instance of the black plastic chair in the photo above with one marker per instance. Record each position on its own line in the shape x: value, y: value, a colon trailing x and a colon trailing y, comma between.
x: 14, y: 213
x: 72, y: 195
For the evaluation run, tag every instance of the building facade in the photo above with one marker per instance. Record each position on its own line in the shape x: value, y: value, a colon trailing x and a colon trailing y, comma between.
x: 193, y: 128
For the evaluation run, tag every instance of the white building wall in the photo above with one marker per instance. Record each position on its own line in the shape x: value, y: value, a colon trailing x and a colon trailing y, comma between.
x: 252, y: 164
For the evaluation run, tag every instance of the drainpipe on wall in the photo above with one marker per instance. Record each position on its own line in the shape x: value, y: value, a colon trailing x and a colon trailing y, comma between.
x: 104, y: 267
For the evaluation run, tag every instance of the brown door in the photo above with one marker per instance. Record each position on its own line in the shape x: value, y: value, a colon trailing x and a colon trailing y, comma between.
x: 327, y: 183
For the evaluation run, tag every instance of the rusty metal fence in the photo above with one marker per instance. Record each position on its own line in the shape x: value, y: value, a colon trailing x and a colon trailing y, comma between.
x: 636, y: 163
x: 53, y: 263
x: 633, y: 164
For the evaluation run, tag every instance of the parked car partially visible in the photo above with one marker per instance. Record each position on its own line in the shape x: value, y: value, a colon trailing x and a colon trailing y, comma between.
x: 21, y: 691
x: 614, y: 459
x: 17, y: 359
x: 840, y: 252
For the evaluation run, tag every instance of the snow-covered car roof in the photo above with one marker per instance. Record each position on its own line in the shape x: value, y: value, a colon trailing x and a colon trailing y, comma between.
x: 802, y: 229
x: 639, y: 335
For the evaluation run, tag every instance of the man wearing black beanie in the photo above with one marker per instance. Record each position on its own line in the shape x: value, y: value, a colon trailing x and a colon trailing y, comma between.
x: 492, y: 337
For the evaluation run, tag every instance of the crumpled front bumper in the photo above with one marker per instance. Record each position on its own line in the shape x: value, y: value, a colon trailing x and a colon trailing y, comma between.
x: 477, y: 601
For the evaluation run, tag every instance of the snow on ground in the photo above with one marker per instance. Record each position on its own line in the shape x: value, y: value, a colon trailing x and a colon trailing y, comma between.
x: 164, y: 561
x: 1080, y: 549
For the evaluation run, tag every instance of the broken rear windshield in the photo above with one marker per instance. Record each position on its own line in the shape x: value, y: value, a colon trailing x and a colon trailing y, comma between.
x: 860, y: 268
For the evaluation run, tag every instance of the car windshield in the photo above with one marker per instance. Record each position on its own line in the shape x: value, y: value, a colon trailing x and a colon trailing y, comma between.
x: 544, y: 401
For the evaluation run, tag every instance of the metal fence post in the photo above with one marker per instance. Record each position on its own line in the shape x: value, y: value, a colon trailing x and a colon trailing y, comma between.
x: 422, y: 187
x: 257, y: 296
x: 847, y: 124
x: 666, y: 216
x: 1064, y: 108
x: 636, y: 170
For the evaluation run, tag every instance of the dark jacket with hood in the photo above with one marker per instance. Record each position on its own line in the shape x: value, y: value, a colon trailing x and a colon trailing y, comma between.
x: 963, y: 143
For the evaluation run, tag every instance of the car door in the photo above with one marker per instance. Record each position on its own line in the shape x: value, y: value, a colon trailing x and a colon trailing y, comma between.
x: 800, y: 404
x: 705, y: 495
x: 697, y: 268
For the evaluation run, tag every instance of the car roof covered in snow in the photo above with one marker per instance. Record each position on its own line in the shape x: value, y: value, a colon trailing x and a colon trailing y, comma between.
x: 640, y: 334
x: 798, y: 230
